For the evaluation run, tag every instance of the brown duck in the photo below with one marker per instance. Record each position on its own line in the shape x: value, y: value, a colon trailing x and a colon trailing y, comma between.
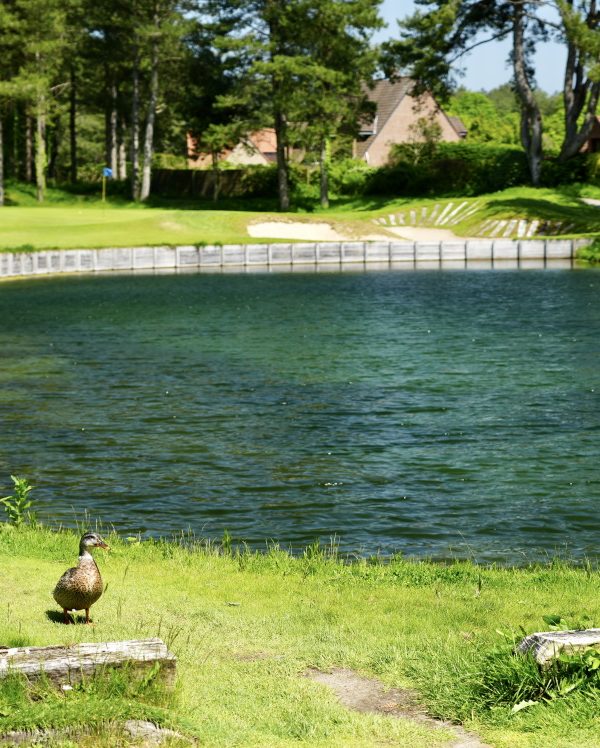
x: 81, y: 586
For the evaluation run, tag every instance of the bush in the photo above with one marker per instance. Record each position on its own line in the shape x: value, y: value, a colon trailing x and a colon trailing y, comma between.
x: 450, y: 168
x: 593, y: 168
x: 555, y: 172
x: 349, y: 176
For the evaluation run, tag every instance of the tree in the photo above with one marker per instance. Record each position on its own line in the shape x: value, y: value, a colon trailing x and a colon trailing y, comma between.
x: 295, y: 62
x: 42, y: 41
x: 8, y: 25
x: 581, y: 87
x: 434, y: 39
x: 341, y: 62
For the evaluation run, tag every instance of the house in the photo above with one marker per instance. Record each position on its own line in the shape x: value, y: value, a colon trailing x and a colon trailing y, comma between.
x: 257, y: 148
x: 397, y: 120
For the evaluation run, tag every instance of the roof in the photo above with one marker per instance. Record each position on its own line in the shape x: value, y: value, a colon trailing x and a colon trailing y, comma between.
x: 458, y: 125
x: 386, y: 95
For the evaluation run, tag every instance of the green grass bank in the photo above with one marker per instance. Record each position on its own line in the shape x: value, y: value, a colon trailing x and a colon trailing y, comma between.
x: 246, y: 627
x: 68, y: 221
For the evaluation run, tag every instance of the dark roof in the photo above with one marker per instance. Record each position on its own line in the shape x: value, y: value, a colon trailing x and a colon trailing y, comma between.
x: 458, y: 125
x: 386, y: 95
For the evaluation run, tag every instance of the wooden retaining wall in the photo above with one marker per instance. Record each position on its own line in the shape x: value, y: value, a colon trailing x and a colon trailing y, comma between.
x: 270, y: 255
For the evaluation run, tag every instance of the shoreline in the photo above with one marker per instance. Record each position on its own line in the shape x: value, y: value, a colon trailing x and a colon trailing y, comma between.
x: 283, y: 256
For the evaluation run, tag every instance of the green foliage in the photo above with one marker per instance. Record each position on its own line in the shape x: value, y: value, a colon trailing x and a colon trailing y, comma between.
x: 18, y: 505
x: 245, y: 626
x: 349, y: 176
x: 484, y: 121
x: 591, y: 253
x: 452, y: 168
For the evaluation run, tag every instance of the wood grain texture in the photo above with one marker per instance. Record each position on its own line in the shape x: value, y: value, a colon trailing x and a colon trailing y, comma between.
x: 72, y: 664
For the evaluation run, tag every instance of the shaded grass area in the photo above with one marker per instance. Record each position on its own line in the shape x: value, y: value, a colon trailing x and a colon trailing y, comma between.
x: 546, y: 205
x: 246, y: 626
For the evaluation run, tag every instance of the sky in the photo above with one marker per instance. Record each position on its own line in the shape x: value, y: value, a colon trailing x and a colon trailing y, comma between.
x: 486, y: 67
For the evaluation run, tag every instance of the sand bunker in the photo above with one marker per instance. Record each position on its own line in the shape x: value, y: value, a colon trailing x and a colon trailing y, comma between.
x: 325, y: 232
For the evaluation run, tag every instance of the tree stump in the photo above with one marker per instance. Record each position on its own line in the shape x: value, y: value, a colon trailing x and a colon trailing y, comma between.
x: 69, y: 665
x: 546, y: 646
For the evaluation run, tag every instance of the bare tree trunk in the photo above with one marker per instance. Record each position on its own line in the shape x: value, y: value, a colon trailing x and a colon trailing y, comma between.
x: 531, y: 118
x: 40, y: 149
x: 324, y: 170
x: 73, y: 126
x: 1, y: 162
x: 216, y: 175
x: 28, y: 149
x: 283, y: 188
x: 111, y: 134
x: 121, y: 151
x: 135, y: 128
x: 152, y: 104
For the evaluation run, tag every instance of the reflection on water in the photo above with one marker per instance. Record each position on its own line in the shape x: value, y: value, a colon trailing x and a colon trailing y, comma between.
x: 436, y: 413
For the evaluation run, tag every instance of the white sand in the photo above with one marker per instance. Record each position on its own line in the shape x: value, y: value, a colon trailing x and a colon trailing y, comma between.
x: 324, y: 232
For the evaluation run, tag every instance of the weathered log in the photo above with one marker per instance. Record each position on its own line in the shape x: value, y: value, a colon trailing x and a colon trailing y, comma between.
x: 546, y: 646
x: 66, y: 666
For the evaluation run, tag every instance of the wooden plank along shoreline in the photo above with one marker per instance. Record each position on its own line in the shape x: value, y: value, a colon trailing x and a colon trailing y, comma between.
x: 68, y: 665
x: 15, y: 264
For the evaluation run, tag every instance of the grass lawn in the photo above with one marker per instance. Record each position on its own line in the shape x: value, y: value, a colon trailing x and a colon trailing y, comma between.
x: 246, y: 627
x: 68, y: 221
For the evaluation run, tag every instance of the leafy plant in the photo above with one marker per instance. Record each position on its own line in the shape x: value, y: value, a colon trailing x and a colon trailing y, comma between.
x: 513, y: 679
x: 18, y: 505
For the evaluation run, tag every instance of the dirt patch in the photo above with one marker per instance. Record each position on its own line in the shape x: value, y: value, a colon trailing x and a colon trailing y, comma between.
x: 325, y: 232
x: 306, y: 231
x: 370, y: 695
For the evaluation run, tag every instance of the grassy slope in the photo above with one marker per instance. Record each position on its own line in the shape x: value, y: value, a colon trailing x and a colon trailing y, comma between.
x: 240, y: 665
x: 67, y: 221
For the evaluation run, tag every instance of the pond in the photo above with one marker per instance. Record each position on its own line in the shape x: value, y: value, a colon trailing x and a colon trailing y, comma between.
x: 434, y: 413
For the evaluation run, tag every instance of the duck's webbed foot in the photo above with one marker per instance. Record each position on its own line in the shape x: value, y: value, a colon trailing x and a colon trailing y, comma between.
x: 67, y: 615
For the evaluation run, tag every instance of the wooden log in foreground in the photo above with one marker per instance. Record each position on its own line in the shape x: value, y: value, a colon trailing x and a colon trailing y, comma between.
x: 546, y: 646
x: 72, y: 664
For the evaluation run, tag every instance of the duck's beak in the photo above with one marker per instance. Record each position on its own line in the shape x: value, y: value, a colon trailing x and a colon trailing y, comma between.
x: 103, y: 545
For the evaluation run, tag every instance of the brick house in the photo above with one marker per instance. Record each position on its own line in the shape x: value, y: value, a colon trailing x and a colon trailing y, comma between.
x: 396, y: 120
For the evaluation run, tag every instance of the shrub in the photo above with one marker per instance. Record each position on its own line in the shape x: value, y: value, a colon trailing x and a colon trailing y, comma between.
x: 18, y: 505
x: 461, y: 168
x: 593, y: 168
x: 349, y: 176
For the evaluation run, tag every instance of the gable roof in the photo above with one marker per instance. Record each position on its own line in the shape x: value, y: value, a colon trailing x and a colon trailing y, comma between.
x: 386, y: 95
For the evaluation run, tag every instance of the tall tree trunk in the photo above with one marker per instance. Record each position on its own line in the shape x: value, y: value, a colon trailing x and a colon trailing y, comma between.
x: 324, y: 170
x: 73, y: 127
x: 28, y: 149
x: 152, y: 104
x: 111, y: 130
x: 112, y: 160
x: 283, y: 188
x: 531, y: 118
x: 121, y: 150
x: 216, y: 175
x: 135, y: 128
x: 1, y: 161
x: 40, y: 149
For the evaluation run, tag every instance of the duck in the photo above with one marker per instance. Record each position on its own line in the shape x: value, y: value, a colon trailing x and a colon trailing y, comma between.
x: 81, y: 586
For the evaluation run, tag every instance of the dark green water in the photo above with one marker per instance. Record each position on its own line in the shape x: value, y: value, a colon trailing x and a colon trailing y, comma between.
x: 438, y: 413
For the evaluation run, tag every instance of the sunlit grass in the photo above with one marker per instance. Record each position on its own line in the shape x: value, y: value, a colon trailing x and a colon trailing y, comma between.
x: 246, y: 626
x: 69, y: 221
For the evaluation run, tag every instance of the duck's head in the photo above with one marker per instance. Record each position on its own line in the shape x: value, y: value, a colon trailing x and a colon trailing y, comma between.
x: 91, y: 540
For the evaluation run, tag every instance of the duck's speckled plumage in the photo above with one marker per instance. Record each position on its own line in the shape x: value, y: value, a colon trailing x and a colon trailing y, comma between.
x: 80, y: 586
